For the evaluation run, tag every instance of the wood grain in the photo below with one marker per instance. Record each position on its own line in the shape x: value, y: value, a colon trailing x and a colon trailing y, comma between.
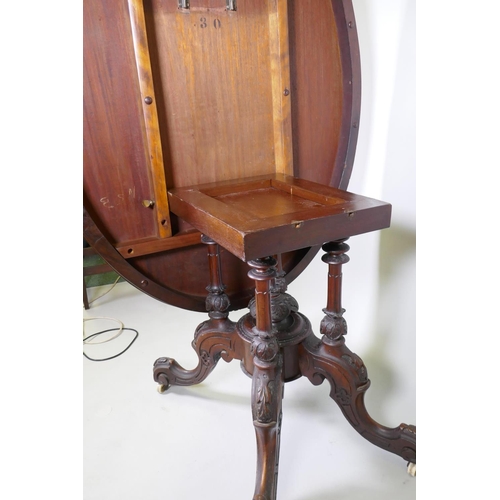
x: 280, y: 82
x: 216, y: 76
x: 288, y: 214
x: 115, y: 163
x: 148, y: 97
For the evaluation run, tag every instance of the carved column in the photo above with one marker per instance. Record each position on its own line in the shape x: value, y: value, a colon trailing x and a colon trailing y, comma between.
x: 267, y: 381
x: 330, y: 359
x: 213, y: 339
x: 334, y: 326
x: 217, y: 302
x: 282, y: 304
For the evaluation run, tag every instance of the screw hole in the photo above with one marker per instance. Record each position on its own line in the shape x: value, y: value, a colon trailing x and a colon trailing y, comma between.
x: 130, y: 251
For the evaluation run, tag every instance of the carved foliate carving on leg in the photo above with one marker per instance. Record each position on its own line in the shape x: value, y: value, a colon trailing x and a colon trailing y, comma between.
x: 349, y: 382
x: 267, y: 382
x: 267, y: 394
x: 217, y: 302
x: 334, y: 325
x: 330, y: 359
x: 213, y: 339
x: 282, y: 304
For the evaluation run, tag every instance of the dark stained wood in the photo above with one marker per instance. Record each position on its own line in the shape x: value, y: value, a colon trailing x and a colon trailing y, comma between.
x: 222, y: 114
x: 148, y: 246
x: 184, y: 266
x: 115, y: 163
x: 214, y: 338
x: 217, y: 302
x: 281, y: 215
x: 240, y: 124
x: 326, y: 89
x: 276, y: 344
x: 333, y: 325
x: 146, y: 284
x: 347, y: 376
x: 330, y: 359
x: 316, y: 106
x: 86, y: 304
x: 351, y: 92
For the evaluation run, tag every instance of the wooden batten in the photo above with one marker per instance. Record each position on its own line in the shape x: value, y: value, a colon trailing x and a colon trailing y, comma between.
x: 155, y: 156
x: 149, y: 246
x: 281, y: 88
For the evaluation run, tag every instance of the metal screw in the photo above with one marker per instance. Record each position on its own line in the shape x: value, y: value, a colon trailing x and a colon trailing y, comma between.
x: 286, y: 92
x: 148, y: 100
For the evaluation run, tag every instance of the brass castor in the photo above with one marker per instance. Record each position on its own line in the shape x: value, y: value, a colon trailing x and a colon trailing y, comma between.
x: 161, y: 388
x: 412, y: 469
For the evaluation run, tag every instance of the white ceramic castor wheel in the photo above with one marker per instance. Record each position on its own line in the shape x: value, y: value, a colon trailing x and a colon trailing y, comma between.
x: 161, y: 388
x: 412, y: 469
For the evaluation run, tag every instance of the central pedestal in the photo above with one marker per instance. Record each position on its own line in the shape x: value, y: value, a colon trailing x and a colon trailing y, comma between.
x: 276, y: 344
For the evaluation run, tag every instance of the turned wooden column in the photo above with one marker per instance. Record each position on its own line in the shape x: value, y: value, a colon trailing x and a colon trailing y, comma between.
x: 267, y: 381
x: 330, y: 359
x: 217, y: 302
x: 334, y: 325
x: 214, y: 339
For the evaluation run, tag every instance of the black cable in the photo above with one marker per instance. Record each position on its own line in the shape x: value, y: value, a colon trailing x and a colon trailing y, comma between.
x: 106, y: 331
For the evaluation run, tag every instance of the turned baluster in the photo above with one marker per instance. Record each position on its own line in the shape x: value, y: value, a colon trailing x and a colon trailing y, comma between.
x: 334, y: 326
x: 217, y: 302
x: 267, y: 381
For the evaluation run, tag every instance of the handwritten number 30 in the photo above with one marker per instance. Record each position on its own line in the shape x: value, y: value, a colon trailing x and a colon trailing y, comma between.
x: 203, y: 23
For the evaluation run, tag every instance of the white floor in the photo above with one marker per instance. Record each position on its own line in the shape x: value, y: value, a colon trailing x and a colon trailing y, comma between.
x: 199, y: 442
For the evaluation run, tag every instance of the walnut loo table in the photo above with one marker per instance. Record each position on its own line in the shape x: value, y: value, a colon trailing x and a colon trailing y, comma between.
x: 219, y: 142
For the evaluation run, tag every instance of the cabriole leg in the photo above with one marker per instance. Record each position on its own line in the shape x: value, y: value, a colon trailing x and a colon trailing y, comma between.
x: 214, y: 338
x: 267, y: 383
x: 330, y: 359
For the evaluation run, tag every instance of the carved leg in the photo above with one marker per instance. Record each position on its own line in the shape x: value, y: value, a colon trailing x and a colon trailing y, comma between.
x: 267, y: 383
x: 349, y: 382
x: 330, y: 359
x: 214, y: 338
x: 267, y: 393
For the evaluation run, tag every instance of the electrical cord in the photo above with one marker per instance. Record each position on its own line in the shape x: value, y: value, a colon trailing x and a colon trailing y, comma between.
x: 119, y: 331
x: 107, y: 340
x: 107, y: 291
x: 106, y: 331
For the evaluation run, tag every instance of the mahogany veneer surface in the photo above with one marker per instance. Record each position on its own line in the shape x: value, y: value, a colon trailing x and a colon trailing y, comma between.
x: 175, y: 97
x: 266, y: 215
